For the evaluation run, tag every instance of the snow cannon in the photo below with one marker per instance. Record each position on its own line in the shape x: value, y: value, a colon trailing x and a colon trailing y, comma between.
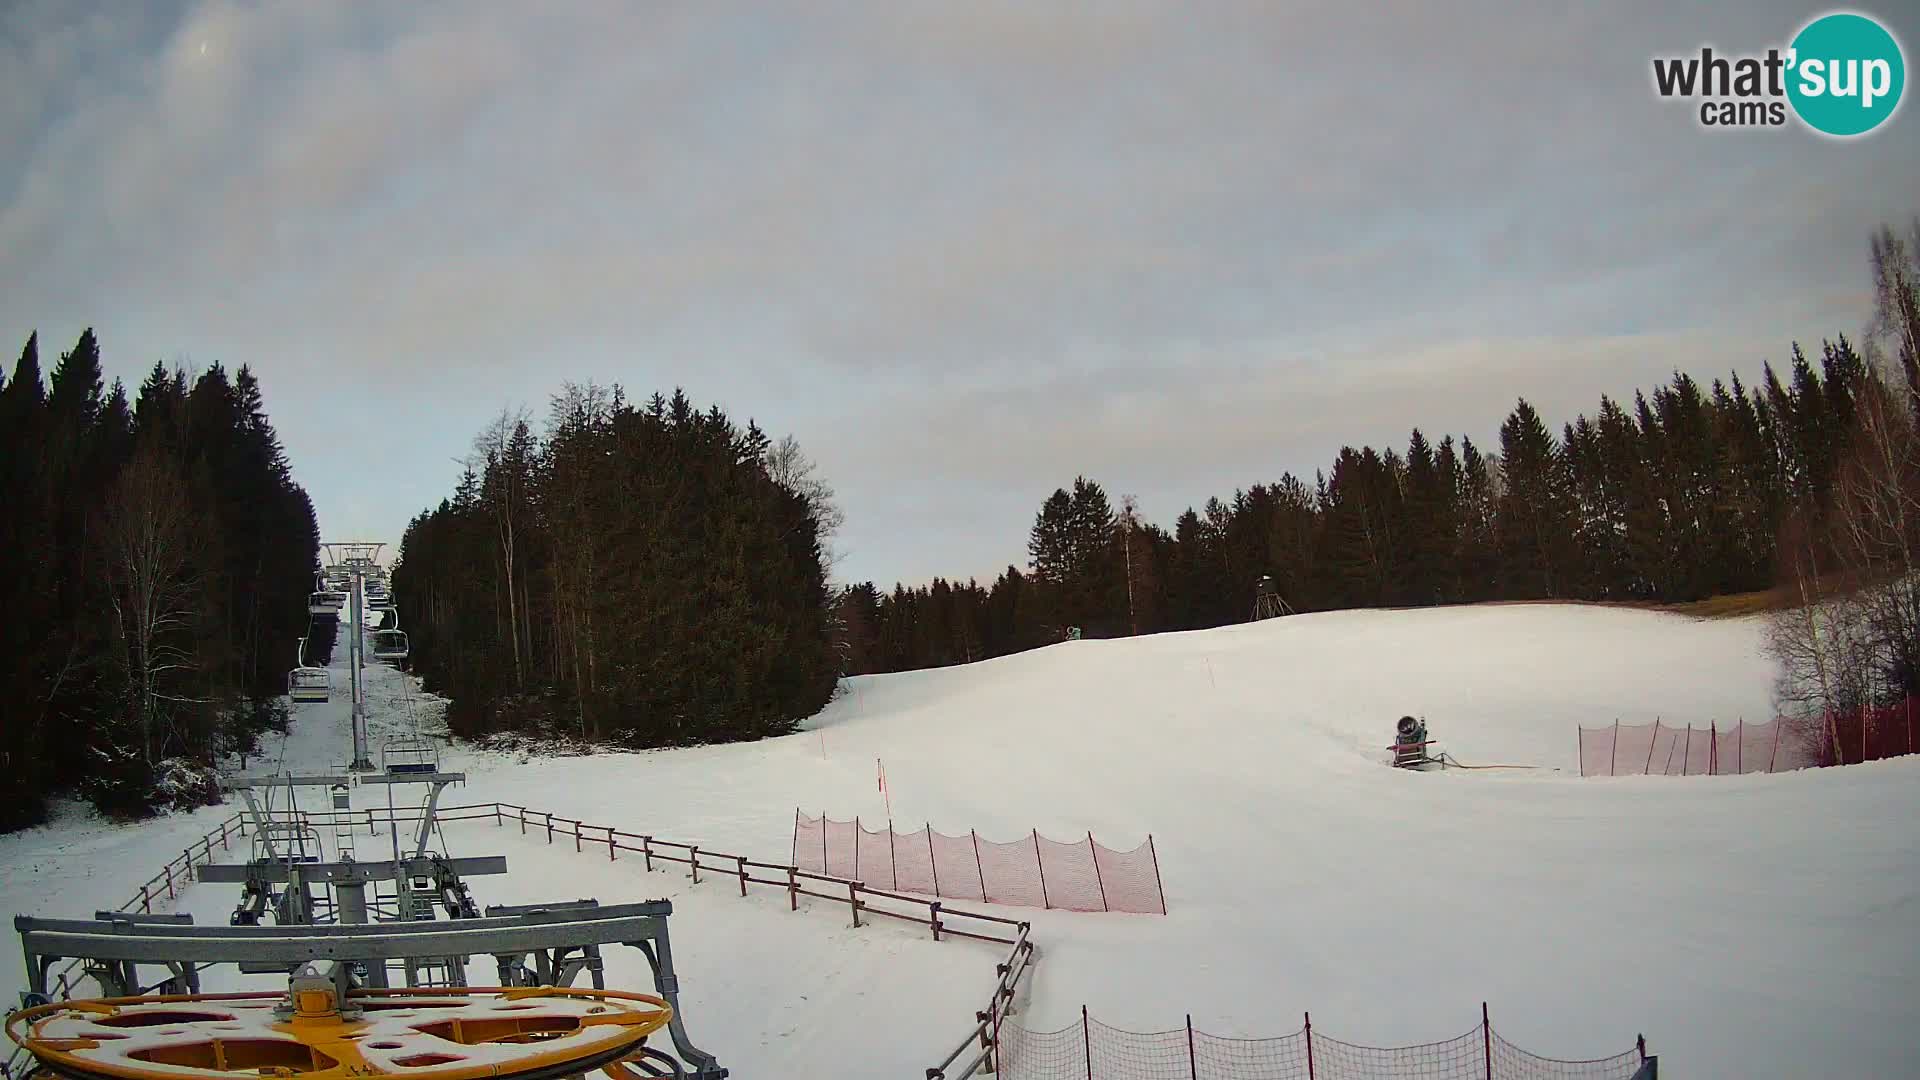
x: 1410, y: 744
x: 449, y: 1033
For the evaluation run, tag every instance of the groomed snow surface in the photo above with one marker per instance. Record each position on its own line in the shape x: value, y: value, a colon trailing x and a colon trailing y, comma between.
x: 1749, y: 926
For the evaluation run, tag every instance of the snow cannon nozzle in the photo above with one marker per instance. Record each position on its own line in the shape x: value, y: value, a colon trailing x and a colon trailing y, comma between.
x: 1410, y: 744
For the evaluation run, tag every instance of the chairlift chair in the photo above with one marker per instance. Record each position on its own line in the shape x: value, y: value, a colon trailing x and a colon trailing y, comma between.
x: 311, y: 684
x: 409, y: 754
x: 389, y: 645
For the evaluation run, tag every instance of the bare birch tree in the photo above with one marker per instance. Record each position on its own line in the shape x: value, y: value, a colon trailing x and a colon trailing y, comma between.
x: 148, y: 539
x: 506, y: 478
x: 1896, y: 279
x: 1853, y: 639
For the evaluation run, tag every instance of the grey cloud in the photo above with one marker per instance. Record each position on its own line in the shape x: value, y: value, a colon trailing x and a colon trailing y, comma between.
x: 966, y: 251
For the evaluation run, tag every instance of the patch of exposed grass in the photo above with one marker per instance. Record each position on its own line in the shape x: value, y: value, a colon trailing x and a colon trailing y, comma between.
x: 1733, y: 605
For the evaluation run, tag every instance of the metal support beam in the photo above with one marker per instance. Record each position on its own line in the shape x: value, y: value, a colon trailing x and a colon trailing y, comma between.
x: 47, y: 940
x: 238, y: 783
x: 426, y: 820
x: 334, y: 873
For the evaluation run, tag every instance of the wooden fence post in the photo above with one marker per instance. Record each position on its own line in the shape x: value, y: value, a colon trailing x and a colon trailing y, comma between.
x: 1157, y: 886
x: 853, y: 900
x: 523, y: 821
x: 693, y: 860
x: 743, y: 874
x: 576, y: 836
x: 496, y: 815
x: 932, y: 863
x: 1038, y: 865
x: 793, y: 889
x: 1486, y: 1038
x: 1309, y: 1019
x: 168, y: 870
x: 1097, y: 879
x: 549, y: 814
x: 1086, y: 1036
x: 933, y: 917
x: 1193, y: 1067
x: 146, y: 902
x: 646, y: 852
x: 995, y: 1009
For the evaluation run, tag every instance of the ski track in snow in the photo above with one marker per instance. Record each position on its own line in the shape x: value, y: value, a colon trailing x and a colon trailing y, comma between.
x: 1749, y: 926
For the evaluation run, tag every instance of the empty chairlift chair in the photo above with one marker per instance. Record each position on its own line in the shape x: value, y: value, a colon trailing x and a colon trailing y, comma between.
x: 309, y: 684
x: 389, y: 645
x: 408, y: 754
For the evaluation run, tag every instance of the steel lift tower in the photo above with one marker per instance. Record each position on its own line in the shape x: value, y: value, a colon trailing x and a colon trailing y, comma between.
x: 358, y: 559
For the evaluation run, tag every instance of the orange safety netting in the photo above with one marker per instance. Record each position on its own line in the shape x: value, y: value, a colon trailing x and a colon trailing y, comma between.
x: 1033, y: 871
x: 1666, y: 749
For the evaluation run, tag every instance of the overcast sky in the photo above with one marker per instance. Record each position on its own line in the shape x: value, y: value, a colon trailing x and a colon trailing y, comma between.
x: 962, y: 251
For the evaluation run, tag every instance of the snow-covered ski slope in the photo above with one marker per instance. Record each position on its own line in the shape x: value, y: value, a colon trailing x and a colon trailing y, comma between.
x: 1749, y: 926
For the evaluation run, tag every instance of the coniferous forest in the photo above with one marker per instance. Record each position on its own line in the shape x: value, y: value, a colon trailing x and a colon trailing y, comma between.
x: 155, y: 561
x: 1677, y: 495
x: 639, y: 575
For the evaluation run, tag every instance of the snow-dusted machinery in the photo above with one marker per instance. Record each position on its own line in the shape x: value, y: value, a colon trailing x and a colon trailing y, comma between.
x: 342, y: 949
x: 1412, y: 749
x: 326, y: 1024
x: 320, y: 1032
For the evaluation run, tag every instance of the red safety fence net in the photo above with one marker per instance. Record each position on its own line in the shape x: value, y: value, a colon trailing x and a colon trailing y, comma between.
x: 1091, y: 1050
x: 1666, y: 749
x: 1033, y: 871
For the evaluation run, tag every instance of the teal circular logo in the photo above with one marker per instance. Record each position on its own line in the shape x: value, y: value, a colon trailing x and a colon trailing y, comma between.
x: 1845, y: 75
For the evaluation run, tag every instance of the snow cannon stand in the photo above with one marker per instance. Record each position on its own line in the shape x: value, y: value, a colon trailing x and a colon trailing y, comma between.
x: 1411, y: 748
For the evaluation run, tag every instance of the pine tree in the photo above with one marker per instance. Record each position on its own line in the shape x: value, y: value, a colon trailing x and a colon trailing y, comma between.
x: 1535, y: 519
x: 1429, y: 525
